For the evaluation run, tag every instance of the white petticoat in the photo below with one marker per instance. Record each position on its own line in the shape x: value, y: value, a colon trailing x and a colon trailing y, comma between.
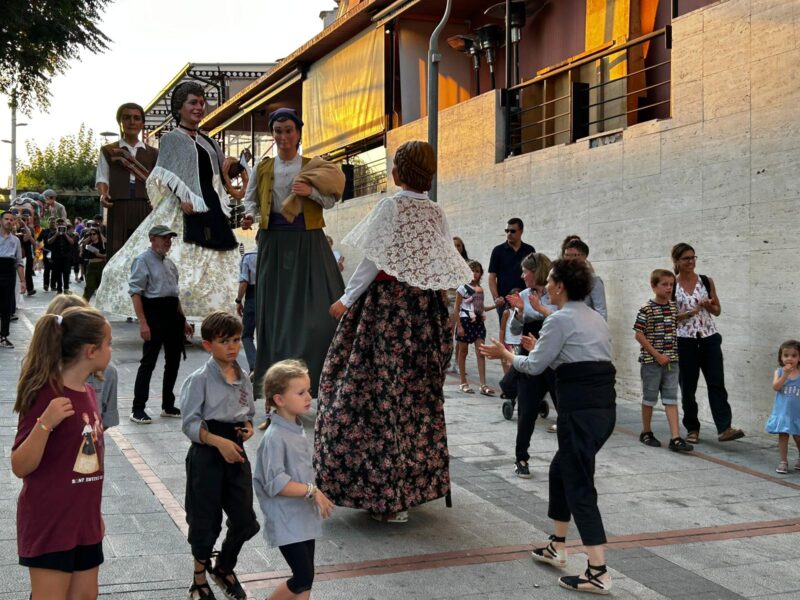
x: 208, y: 279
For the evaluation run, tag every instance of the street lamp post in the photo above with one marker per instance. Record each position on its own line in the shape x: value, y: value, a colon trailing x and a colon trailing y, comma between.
x: 13, y: 142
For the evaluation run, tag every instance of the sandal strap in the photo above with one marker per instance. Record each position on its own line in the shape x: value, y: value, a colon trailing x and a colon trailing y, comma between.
x: 201, y: 588
x: 594, y: 578
x: 555, y: 538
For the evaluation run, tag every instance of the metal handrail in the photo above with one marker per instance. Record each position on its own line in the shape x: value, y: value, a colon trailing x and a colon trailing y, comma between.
x: 637, y: 91
x: 593, y: 58
x: 594, y: 87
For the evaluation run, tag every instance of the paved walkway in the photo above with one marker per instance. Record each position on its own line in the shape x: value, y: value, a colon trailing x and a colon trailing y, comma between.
x: 716, y: 524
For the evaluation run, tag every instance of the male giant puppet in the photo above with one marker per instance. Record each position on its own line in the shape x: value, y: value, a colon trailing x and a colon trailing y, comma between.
x: 121, y: 172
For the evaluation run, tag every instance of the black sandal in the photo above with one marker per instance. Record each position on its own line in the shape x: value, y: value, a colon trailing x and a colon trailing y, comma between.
x: 232, y: 590
x: 549, y: 554
x: 573, y: 582
x: 203, y: 589
x: 648, y: 439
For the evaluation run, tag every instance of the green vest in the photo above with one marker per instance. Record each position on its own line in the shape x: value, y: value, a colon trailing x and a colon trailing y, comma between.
x: 312, y: 212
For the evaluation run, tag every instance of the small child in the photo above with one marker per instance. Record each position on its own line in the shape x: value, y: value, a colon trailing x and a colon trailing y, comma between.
x: 217, y: 410
x: 510, y: 340
x: 58, y: 454
x: 105, y: 383
x: 785, y: 417
x: 656, y: 330
x: 293, y: 507
x: 470, y: 328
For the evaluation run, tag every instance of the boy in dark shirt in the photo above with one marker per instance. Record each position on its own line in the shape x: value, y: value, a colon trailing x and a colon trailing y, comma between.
x: 656, y: 330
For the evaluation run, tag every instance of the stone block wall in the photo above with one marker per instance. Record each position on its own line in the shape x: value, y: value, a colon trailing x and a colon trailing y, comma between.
x: 722, y: 174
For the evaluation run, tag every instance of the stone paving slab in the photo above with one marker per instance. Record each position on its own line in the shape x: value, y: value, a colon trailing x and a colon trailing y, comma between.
x: 641, y: 490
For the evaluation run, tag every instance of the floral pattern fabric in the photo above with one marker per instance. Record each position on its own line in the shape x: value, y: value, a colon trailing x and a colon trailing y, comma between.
x: 380, y: 441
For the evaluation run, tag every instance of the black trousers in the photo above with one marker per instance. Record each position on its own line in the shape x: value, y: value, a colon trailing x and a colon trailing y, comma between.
x: 166, y: 330
x: 532, y: 390
x: 8, y: 291
x: 29, y: 273
x: 212, y: 487
x: 581, y: 434
x: 696, y: 355
x: 59, y: 274
x: 300, y: 558
x: 47, y: 274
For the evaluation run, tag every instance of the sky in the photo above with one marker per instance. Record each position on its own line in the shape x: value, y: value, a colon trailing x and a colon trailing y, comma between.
x: 151, y: 41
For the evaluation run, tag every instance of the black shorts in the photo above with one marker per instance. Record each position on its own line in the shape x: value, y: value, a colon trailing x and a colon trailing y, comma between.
x: 300, y: 558
x: 80, y: 558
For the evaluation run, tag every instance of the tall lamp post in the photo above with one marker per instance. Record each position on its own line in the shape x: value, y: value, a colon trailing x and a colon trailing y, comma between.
x: 13, y: 142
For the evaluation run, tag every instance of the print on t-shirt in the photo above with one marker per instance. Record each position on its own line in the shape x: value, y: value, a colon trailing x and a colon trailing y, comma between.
x: 87, y: 460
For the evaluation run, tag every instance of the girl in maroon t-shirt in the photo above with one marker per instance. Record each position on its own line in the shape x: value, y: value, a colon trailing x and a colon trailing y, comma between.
x: 59, y: 455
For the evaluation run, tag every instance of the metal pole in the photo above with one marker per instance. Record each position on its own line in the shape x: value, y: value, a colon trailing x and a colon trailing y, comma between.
x: 433, y: 90
x: 13, y: 145
x: 509, y: 71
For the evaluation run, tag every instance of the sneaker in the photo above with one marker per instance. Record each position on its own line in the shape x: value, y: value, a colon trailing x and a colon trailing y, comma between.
x: 679, y: 445
x: 141, y: 417
x: 46, y: 288
x: 230, y: 589
x: 32, y: 293
x: 648, y: 439
x: 782, y: 468
x: 172, y: 412
x: 4, y: 343
x: 521, y: 469
x: 730, y: 434
x: 553, y: 428
x: 14, y: 318
x: 797, y: 465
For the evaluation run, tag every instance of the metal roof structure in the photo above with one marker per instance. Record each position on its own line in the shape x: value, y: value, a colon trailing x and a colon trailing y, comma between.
x: 220, y: 80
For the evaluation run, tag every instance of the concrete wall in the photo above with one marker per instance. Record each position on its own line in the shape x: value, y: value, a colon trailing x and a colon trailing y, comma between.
x: 722, y: 174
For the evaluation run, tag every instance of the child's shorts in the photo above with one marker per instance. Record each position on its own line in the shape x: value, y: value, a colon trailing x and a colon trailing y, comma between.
x: 655, y: 379
x: 473, y: 330
x: 300, y: 558
x: 80, y: 558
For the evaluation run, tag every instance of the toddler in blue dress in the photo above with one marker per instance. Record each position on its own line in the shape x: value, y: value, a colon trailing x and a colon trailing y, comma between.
x: 785, y: 417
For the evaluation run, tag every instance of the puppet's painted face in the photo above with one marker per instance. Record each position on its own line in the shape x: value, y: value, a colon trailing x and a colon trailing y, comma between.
x: 193, y: 110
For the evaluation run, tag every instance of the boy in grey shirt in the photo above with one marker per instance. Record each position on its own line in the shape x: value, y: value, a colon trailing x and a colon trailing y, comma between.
x: 217, y: 410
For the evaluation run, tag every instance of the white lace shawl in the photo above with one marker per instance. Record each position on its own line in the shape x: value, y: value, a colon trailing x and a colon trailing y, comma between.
x: 407, y: 236
x: 177, y: 175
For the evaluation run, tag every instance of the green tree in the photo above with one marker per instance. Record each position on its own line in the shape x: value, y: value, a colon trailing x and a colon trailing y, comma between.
x: 68, y: 164
x: 38, y: 39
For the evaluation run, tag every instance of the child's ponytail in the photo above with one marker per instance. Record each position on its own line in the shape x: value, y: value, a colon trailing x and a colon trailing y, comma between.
x: 57, y: 340
x: 42, y: 363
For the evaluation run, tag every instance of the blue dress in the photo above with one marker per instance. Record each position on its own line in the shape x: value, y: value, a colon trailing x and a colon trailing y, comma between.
x: 785, y: 417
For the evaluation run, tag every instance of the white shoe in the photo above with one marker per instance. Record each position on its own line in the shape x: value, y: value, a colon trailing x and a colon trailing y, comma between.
x: 552, y: 429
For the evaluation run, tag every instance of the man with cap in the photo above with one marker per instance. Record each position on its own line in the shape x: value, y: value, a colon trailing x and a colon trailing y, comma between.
x: 153, y: 287
x: 292, y: 303
x: 53, y: 209
x: 122, y: 170
x: 11, y: 265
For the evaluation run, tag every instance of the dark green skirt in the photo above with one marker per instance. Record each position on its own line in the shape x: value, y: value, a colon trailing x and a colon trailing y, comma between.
x: 297, y: 281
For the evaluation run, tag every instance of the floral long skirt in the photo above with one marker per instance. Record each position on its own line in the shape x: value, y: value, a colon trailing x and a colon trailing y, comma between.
x: 380, y: 441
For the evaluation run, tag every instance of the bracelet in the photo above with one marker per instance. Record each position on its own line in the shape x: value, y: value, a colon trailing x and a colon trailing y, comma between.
x: 312, y: 489
x: 42, y: 426
x: 238, y: 300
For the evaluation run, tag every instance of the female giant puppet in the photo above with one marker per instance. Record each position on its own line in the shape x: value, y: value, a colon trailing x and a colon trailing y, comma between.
x: 297, y: 278
x: 188, y: 196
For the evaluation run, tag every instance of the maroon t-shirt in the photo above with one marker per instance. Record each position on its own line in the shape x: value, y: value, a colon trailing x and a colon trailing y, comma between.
x: 59, y: 505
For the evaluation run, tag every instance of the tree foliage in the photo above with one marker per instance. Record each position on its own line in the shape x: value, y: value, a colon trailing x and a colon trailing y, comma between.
x: 68, y: 164
x: 37, y: 41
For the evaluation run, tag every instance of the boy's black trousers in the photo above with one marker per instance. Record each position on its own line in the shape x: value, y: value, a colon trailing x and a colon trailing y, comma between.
x: 214, y: 486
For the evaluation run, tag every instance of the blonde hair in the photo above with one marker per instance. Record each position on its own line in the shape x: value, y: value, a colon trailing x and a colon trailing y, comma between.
x: 57, y: 341
x: 538, y: 264
x: 277, y: 379
x: 62, y: 302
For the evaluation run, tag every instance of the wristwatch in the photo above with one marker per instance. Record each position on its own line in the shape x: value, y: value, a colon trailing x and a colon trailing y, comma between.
x: 238, y: 300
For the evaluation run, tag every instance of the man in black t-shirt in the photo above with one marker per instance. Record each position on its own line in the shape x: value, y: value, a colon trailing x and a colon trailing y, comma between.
x: 61, y: 244
x: 505, y: 270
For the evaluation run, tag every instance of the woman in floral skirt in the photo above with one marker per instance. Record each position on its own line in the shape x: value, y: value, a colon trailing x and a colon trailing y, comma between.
x: 381, y: 441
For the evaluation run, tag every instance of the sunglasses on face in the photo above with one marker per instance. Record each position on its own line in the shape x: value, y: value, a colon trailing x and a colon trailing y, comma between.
x: 512, y: 230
